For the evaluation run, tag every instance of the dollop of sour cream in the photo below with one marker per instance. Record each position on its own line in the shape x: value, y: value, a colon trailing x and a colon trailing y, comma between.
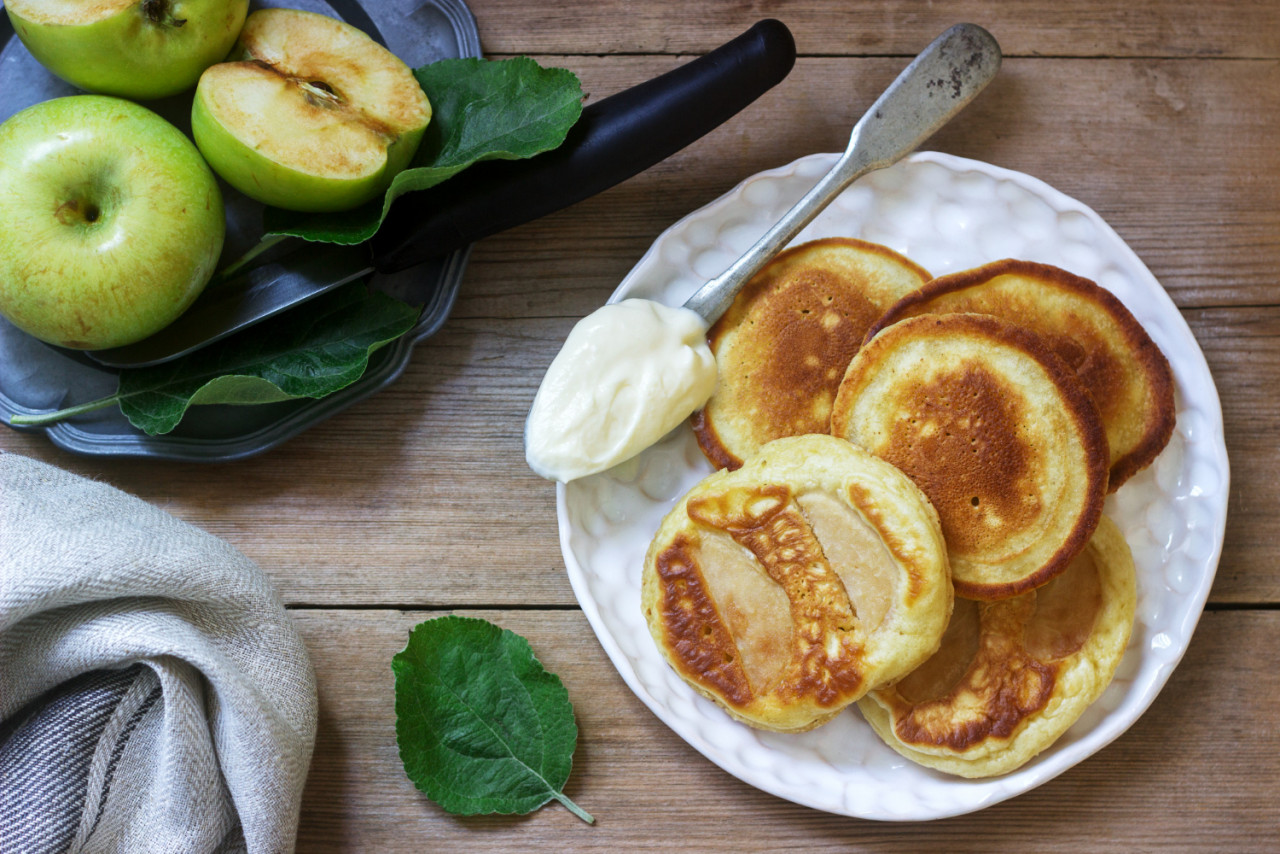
x: 627, y: 375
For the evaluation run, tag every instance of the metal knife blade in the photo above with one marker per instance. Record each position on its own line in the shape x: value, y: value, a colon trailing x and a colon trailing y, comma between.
x: 244, y: 300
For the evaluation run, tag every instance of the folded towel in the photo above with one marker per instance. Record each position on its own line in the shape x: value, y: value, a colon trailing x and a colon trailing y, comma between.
x: 154, y: 694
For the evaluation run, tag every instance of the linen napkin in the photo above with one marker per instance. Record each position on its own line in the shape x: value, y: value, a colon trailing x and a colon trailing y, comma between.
x: 154, y: 694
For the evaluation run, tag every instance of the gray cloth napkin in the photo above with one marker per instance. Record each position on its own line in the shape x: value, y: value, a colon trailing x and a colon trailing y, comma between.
x: 154, y: 694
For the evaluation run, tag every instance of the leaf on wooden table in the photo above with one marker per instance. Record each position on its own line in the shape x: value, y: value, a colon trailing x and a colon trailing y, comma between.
x: 482, y: 726
x: 480, y: 110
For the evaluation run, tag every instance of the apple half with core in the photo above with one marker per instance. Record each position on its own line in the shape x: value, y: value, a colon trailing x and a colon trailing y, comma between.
x: 138, y: 49
x: 309, y: 113
x: 110, y: 222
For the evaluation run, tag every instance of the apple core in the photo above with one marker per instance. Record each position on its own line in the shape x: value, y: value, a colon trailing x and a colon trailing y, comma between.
x: 309, y: 113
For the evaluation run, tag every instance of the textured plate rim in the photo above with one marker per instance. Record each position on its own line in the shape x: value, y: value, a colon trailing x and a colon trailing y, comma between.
x: 993, y: 790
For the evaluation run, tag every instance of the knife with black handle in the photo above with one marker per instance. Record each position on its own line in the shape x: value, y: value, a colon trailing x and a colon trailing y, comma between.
x: 613, y: 140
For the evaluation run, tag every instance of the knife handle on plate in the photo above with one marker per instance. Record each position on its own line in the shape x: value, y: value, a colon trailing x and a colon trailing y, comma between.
x: 615, y: 138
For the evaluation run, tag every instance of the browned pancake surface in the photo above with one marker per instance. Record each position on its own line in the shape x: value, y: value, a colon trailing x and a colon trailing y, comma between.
x: 783, y: 345
x: 1088, y: 328
x: 786, y: 589
x: 995, y: 430
x: 1010, y: 677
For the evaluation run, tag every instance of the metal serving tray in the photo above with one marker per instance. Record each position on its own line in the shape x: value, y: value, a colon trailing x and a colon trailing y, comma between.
x: 36, y: 378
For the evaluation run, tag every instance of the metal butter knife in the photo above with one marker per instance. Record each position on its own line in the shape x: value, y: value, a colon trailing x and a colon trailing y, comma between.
x: 614, y: 139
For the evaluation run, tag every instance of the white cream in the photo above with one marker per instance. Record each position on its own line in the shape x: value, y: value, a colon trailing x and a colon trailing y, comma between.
x: 627, y: 375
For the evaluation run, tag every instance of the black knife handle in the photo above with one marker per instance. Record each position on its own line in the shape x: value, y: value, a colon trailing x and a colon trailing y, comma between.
x: 616, y: 138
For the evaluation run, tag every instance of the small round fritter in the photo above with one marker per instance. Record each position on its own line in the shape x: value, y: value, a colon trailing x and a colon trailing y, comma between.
x: 996, y: 430
x: 783, y: 345
x: 1088, y: 328
x: 787, y: 589
x: 1013, y: 676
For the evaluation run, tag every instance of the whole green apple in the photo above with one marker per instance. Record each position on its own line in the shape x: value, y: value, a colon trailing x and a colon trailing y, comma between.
x: 110, y: 221
x: 132, y: 48
x: 308, y: 113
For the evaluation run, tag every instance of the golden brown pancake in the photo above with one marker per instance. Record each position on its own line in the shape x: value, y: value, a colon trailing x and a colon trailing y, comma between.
x: 1088, y: 328
x: 996, y: 430
x: 1013, y: 676
x: 783, y: 345
x: 787, y: 589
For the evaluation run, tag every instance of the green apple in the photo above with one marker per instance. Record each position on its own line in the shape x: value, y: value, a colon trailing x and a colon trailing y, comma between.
x: 309, y: 113
x: 132, y: 48
x: 110, y: 221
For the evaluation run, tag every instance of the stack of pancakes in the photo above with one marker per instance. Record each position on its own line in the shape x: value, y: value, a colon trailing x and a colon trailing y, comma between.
x: 806, y: 576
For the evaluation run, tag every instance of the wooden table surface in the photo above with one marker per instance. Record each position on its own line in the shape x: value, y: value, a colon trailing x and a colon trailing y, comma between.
x: 1162, y: 115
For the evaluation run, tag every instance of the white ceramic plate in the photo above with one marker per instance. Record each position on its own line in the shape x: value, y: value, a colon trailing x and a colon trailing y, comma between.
x: 947, y: 214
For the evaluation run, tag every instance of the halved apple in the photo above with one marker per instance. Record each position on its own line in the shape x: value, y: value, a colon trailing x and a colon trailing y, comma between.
x: 130, y: 48
x: 311, y: 114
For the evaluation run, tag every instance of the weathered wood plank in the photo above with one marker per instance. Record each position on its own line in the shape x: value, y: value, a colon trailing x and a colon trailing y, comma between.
x: 420, y: 495
x: 1162, y: 115
x: 1094, y: 28
x: 401, y: 499
x: 1178, y: 156
x: 1180, y: 778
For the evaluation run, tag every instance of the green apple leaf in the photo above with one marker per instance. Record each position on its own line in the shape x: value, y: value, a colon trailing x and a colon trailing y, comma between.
x: 482, y: 726
x: 311, y: 351
x: 482, y: 109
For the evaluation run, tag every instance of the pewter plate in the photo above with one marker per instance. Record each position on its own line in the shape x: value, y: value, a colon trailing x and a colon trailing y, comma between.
x: 947, y: 214
x: 37, y: 378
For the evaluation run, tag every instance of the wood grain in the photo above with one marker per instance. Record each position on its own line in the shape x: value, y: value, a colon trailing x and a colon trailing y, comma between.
x: 1188, y: 776
x: 399, y: 500
x: 1162, y: 115
x: 423, y: 498
x: 1142, y: 142
x: 1090, y: 28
